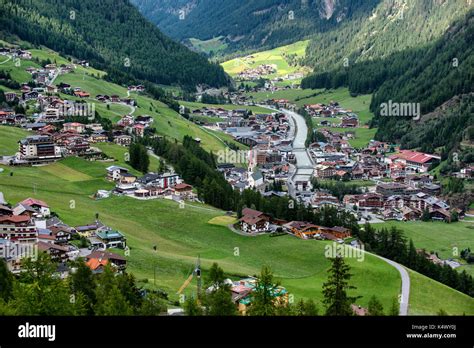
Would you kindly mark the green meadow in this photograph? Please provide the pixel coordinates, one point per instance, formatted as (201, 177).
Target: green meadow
(428, 297)
(447, 240)
(8, 135)
(277, 56)
(166, 121)
(214, 45)
(183, 234)
(254, 109)
(359, 105)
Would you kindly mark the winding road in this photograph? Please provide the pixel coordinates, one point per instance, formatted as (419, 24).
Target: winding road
(404, 296)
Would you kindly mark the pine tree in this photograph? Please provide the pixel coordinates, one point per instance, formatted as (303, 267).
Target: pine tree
(110, 301)
(6, 281)
(263, 300)
(192, 307)
(152, 305)
(336, 299)
(395, 308)
(219, 302)
(375, 307)
(82, 281)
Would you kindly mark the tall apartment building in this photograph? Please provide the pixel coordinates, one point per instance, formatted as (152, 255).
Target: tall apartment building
(38, 149)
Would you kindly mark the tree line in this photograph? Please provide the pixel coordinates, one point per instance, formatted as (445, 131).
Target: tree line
(392, 244)
(197, 167)
(113, 36)
(429, 76)
(38, 291)
(264, 301)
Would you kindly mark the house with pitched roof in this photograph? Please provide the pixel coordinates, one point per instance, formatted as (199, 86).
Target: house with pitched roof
(98, 259)
(254, 221)
(39, 206)
(106, 239)
(415, 161)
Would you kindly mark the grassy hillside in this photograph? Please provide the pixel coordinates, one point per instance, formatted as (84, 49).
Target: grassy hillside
(254, 109)
(111, 34)
(9, 137)
(278, 56)
(181, 234)
(166, 121)
(438, 236)
(445, 239)
(428, 297)
(359, 105)
(210, 47)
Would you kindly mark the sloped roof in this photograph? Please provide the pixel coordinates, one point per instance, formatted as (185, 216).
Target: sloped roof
(33, 201)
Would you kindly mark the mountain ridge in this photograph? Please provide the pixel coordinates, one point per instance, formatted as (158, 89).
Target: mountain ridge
(113, 35)
(249, 24)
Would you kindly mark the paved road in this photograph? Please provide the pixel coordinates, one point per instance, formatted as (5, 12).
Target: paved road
(8, 59)
(404, 296)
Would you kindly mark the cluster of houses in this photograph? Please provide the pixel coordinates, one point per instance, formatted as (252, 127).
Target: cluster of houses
(55, 139)
(268, 160)
(230, 118)
(29, 227)
(260, 71)
(254, 221)
(51, 142)
(403, 202)
(241, 292)
(15, 52)
(104, 98)
(148, 186)
(348, 119)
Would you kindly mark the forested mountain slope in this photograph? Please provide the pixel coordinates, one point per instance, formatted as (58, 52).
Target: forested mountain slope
(429, 75)
(392, 26)
(112, 35)
(252, 23)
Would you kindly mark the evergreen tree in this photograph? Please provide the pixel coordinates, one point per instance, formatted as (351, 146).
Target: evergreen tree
(82, 281)
(40, 292)
(336, 299)
(152, 305)
(6, 281)
(110, 301)
(306, 308)
(219, 302)
(192, 307)
(442, 312)
(394, 308)
(375, 307)
(263, 296)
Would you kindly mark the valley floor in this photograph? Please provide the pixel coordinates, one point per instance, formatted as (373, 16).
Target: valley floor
(183, 234)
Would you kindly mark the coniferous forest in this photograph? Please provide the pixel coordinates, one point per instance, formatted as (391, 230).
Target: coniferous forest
(429, 75)
(113, 36)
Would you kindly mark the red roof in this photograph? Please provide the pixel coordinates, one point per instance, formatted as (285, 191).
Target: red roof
(94, 264)
(15, 218)
(73, 124)
(81, 94)
(413, 156)
(32, 201)
(183, 187)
